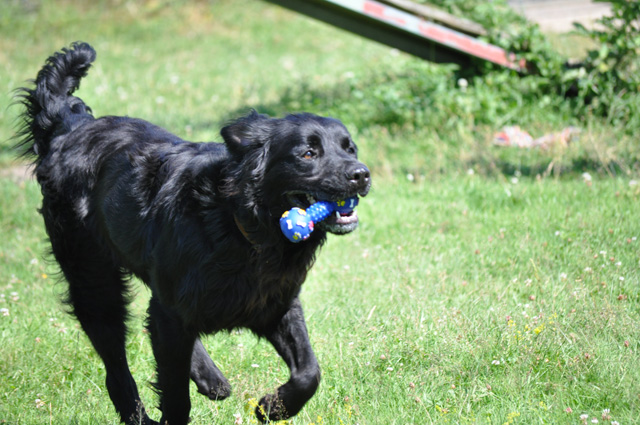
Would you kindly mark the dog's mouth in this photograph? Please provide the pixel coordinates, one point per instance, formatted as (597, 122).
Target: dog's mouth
(337, 223)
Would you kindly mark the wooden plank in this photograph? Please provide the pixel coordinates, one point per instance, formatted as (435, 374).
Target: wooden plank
(434, 14)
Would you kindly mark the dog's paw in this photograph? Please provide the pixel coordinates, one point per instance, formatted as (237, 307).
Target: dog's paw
(220, 391)
(214, 389)
(210, 381)
(271, 408)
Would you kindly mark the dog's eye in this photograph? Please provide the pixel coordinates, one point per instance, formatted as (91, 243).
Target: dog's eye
(309, 154)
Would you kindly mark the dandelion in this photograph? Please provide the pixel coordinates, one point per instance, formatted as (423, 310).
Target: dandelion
(4, 311)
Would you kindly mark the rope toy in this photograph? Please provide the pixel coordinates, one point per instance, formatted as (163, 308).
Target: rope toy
(297, 224)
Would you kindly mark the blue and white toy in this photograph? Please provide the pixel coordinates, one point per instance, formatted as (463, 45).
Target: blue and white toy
(297, 224)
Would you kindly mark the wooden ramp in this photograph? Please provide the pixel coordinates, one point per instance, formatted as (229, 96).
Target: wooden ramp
(407, 26)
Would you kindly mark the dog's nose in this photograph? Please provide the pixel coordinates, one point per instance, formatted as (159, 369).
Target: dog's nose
(359, 176)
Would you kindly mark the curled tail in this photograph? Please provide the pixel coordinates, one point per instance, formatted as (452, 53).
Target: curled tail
(50, 108)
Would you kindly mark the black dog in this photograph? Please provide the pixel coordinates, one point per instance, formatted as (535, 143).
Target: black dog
(197, 222)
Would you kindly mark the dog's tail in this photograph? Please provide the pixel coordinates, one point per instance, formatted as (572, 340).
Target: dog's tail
(50, 108)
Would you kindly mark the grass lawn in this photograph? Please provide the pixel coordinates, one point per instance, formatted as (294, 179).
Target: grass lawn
(484, 285)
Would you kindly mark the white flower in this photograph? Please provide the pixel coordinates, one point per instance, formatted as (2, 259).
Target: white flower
(255, 365)
(238, 418)
(4, 311)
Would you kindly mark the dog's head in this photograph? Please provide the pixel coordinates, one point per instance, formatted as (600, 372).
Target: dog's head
(296, 161)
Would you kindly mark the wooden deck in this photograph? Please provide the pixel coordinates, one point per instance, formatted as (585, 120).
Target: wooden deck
(558, 15)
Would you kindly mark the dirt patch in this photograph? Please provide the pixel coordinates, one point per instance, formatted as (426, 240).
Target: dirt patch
(17, 173)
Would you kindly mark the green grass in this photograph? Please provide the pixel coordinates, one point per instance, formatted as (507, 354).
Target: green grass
(484, 285)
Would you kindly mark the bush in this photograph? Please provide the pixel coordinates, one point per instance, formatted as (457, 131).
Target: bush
(606, 83)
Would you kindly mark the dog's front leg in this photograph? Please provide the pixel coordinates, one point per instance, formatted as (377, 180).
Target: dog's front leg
(290, 338)
(172, 347)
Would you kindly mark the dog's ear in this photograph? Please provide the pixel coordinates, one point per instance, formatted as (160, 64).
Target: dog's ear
(245, 132)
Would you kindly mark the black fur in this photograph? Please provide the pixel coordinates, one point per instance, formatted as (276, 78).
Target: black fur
(197, 222)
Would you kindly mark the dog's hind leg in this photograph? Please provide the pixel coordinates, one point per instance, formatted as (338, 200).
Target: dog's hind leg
(206, 375)
(172, 347)
(98, 298)
(99, 302)
(291, 340)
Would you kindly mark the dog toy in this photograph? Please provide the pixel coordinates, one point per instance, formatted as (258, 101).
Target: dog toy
(297, 224)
